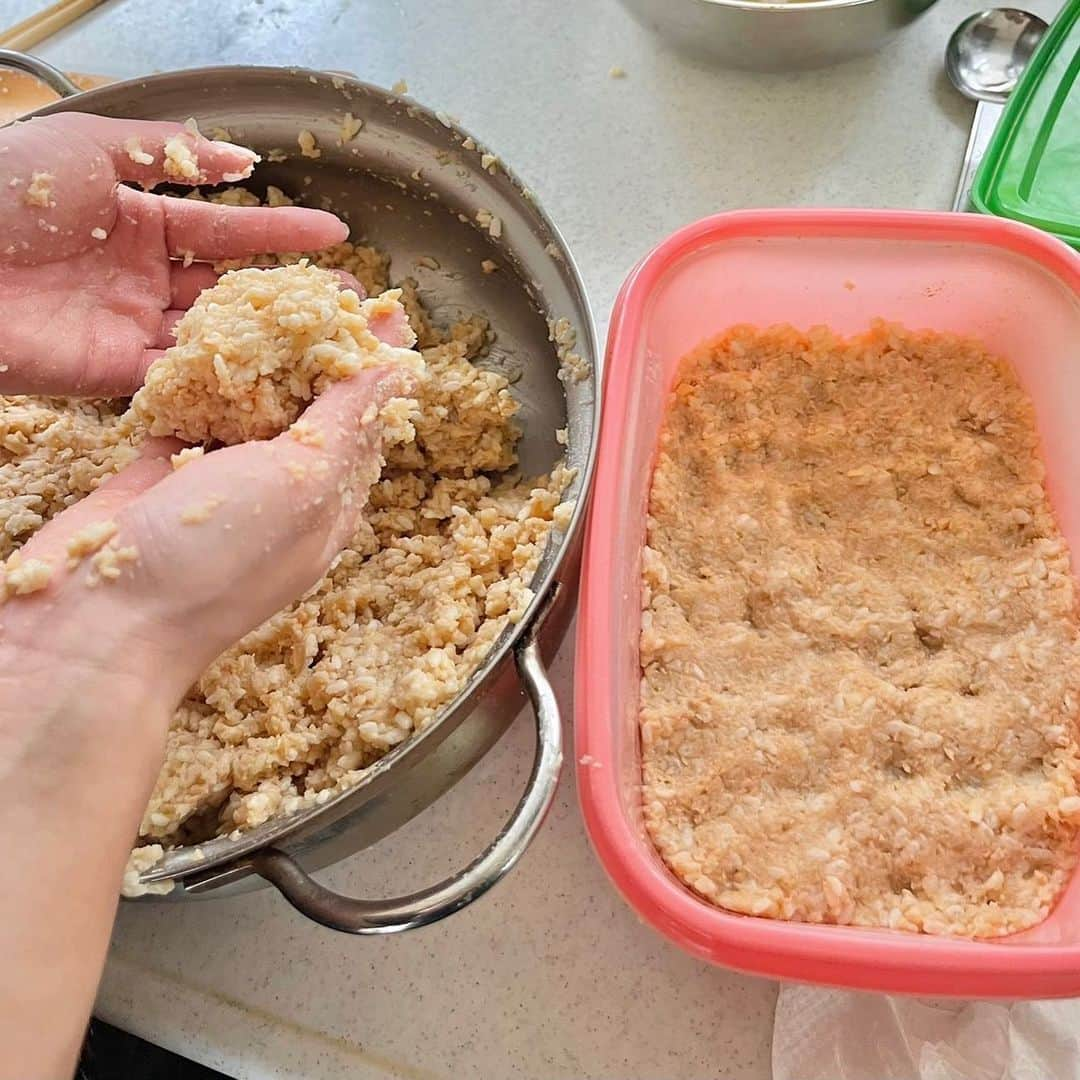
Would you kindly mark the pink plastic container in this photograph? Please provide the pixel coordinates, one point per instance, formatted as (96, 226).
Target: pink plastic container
(1018, 290)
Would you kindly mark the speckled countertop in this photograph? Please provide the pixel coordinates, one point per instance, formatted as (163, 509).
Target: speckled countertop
(550, 976)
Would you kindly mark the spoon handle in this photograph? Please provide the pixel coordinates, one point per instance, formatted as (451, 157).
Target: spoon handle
(986, 117)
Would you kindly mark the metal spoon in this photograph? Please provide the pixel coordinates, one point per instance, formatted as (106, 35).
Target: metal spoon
(984, 60)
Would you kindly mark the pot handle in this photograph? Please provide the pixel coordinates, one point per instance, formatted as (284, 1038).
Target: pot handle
(355, 916)
(46, 73)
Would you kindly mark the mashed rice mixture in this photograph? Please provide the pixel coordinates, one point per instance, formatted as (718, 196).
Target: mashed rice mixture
(441, 564)
(859, 637)
(253, 351)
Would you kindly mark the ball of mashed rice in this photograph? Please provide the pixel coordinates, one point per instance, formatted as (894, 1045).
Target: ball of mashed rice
(254, 350)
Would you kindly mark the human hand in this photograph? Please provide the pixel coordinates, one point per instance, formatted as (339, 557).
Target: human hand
(93, 664)
(198, 556)
(91, 271)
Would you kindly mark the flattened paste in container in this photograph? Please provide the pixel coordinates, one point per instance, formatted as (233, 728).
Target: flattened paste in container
(859, 637)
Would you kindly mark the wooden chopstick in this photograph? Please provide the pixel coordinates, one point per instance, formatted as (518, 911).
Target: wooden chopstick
(29, 32)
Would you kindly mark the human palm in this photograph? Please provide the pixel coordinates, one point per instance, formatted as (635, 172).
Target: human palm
(92, 271)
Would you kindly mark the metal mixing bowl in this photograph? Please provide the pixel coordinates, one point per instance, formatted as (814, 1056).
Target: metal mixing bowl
(408, 185)
(777, 37)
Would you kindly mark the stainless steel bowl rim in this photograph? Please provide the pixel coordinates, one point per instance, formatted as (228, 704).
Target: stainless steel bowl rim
(793, 5)
(771, 36)
(195, 860)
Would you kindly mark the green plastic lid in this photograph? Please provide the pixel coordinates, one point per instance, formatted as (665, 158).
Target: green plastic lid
(1031, 169)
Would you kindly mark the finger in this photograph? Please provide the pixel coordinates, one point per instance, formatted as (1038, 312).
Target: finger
(152, 152)
(339, 428)
(210, 231)
(333, 455)
(349, 282)
(167, 335)
(148, 357)
(391, 325)
(186, 282)
(341, 421)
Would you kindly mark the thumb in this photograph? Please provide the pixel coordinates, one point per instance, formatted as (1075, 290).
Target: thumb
(341, 420)
(340, 439)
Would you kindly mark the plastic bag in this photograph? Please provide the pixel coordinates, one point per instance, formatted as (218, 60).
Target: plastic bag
(837, 1035)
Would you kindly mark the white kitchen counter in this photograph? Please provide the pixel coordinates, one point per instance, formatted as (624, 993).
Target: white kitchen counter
(549, 976)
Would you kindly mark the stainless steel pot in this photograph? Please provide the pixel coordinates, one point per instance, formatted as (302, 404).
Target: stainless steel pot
(777, 36)
(408, 184)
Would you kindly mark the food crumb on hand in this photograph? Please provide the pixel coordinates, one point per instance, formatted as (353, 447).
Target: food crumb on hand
(107, 565)
(89, 539)
(304, 432)
(199, 513)
(21, 576)
(99, 233)
(39, 191)
(185, 457)
(308, 146)
(181, 161)
(135, 151)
